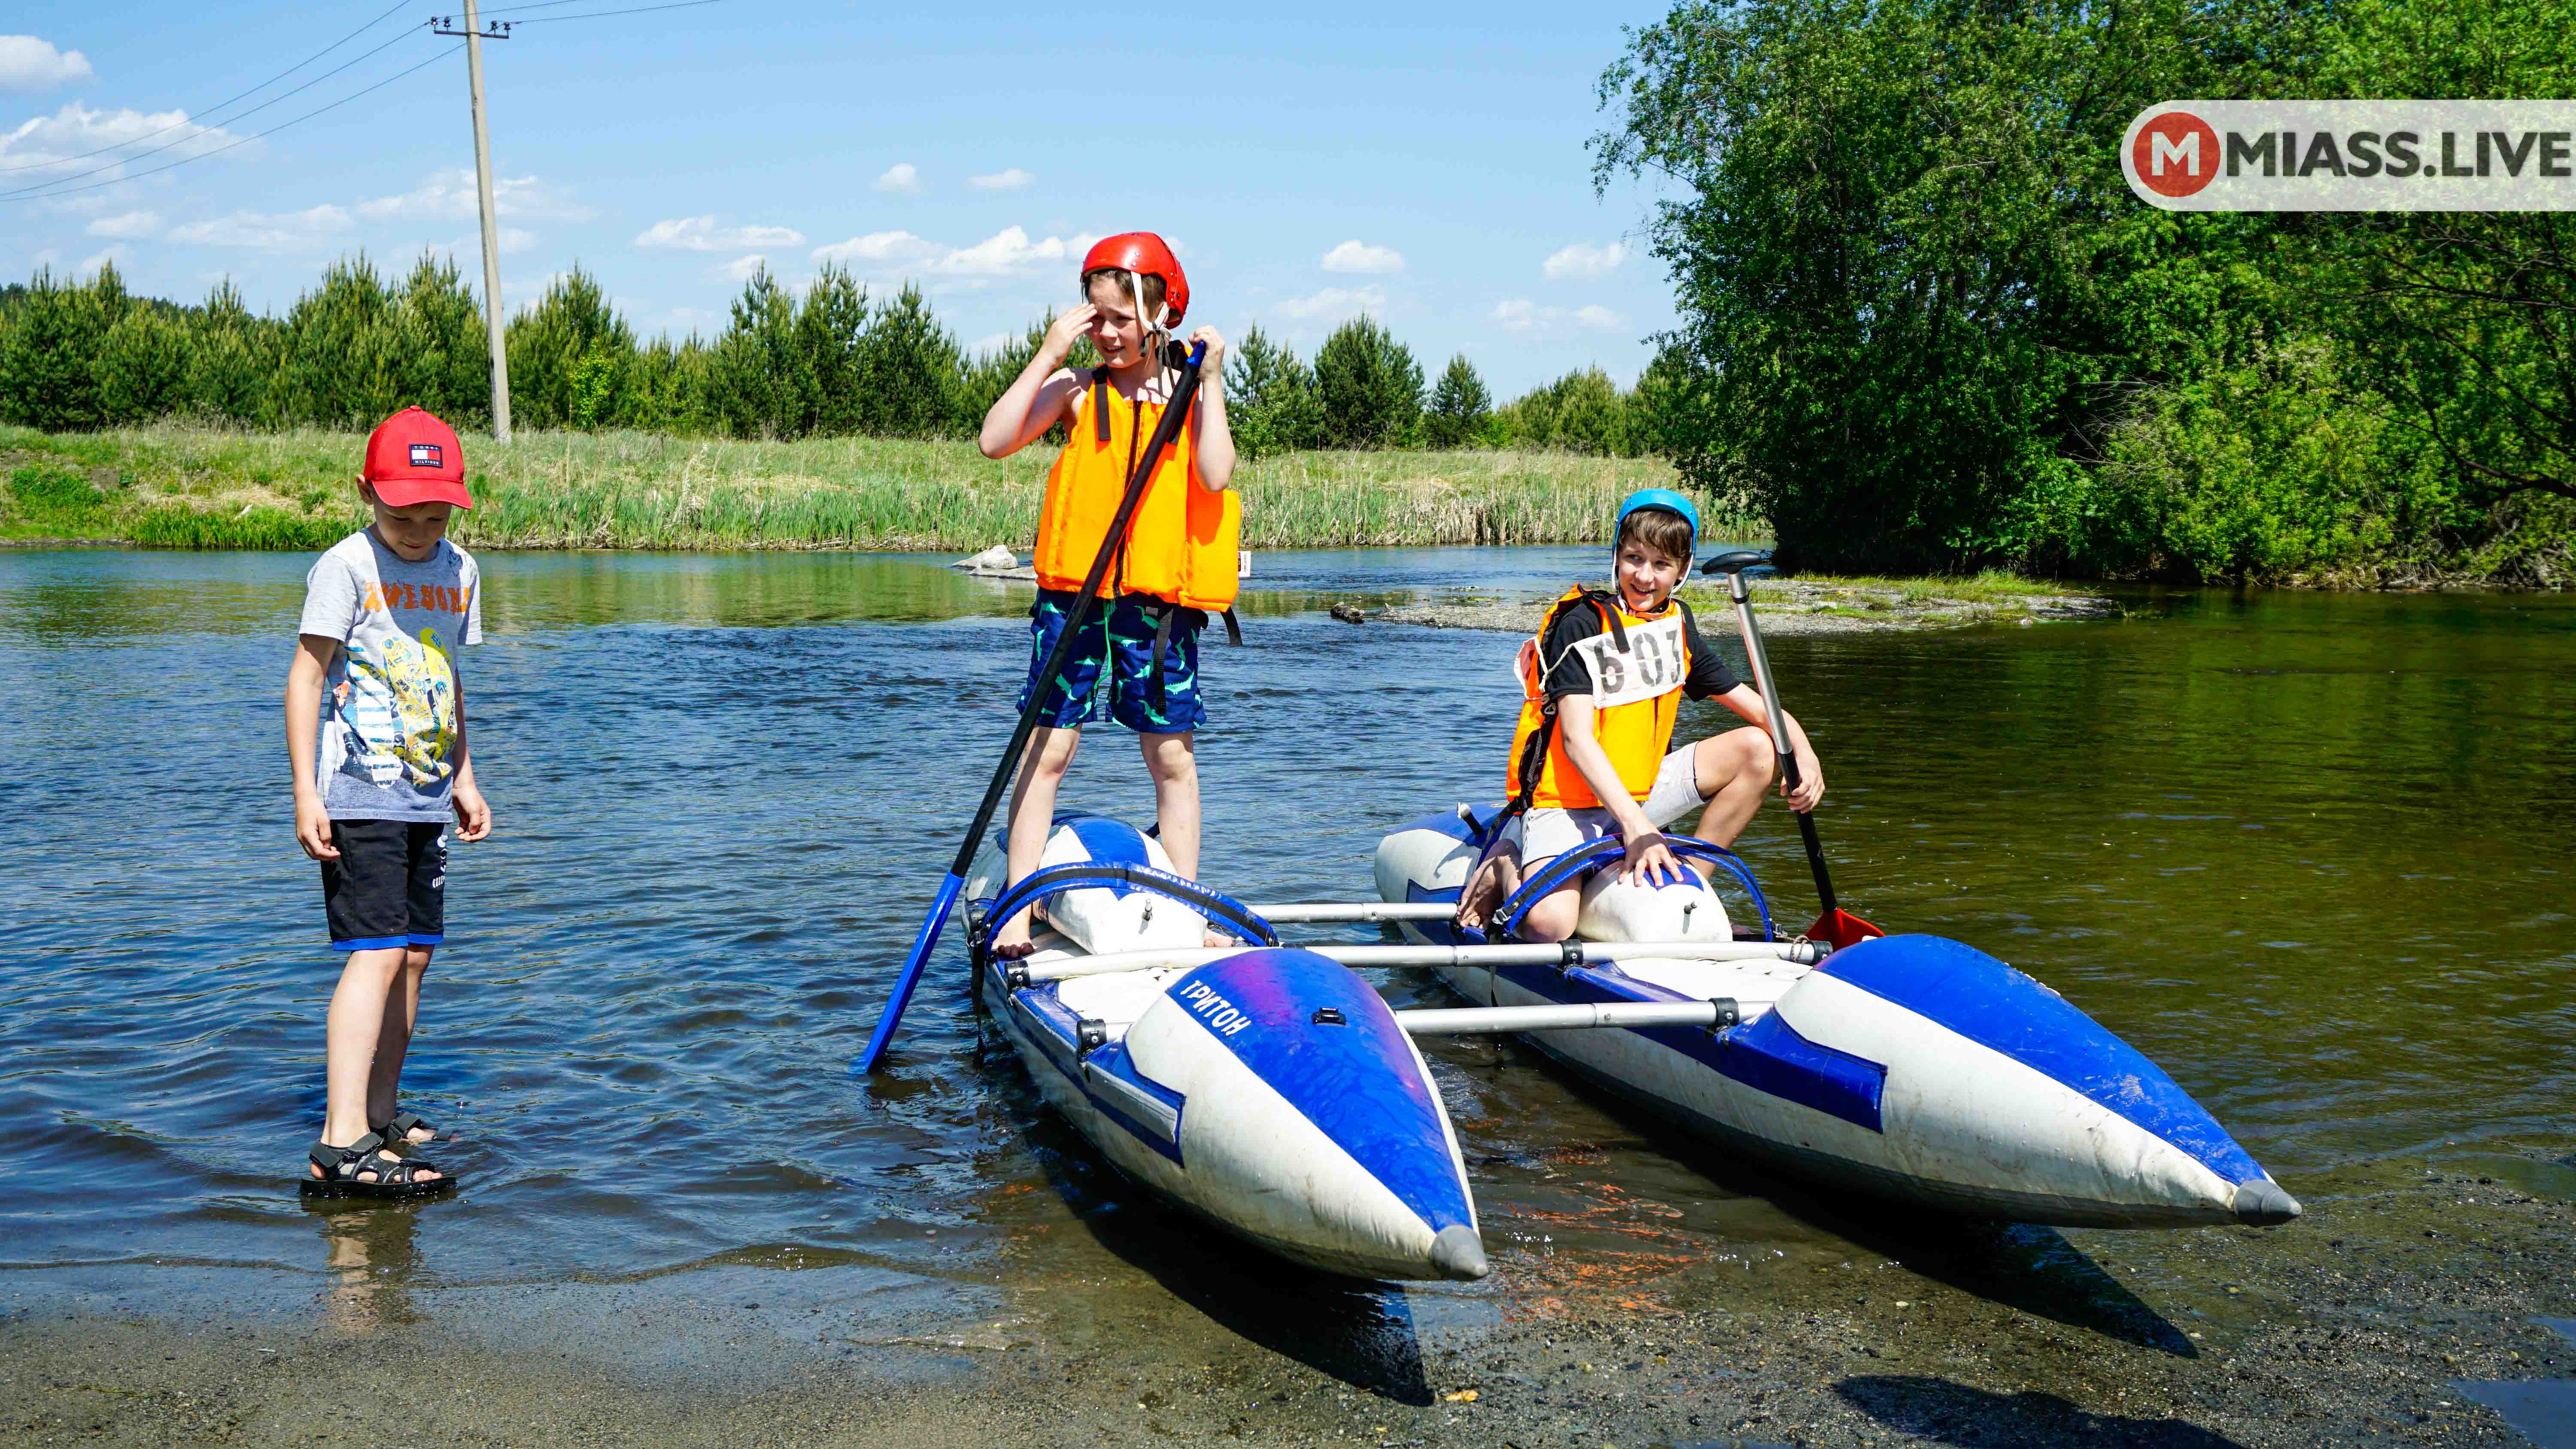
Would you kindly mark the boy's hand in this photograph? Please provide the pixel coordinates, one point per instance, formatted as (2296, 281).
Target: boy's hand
(1064, 332)
(1214, 366)
(1811, 783)
(313, 830)
(473, 817)
(1650, 861)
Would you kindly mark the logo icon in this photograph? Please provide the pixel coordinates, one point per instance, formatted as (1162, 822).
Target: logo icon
(2176, 154)
(427, 455)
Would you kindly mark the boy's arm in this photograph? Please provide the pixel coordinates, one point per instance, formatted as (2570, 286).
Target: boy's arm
(1647, 854)
(304, 679)
(473, 816)
(1216, 440)
(1811, 772)
(1036, 399)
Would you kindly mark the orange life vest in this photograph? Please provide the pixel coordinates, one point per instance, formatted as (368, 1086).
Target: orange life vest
(1638, 667)
(1182, 544)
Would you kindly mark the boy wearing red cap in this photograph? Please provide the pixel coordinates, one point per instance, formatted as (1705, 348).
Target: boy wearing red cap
(375, 728)
(1174, 566)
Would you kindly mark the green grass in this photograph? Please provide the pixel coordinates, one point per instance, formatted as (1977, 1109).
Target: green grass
(180, 486)
(1994, 586)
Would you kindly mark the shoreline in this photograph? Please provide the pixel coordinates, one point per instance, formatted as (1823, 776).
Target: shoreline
(1787, 606)
(2378, 1317)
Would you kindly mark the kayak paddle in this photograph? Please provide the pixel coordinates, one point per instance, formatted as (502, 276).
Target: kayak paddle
(1177, 412)
(1837, 925)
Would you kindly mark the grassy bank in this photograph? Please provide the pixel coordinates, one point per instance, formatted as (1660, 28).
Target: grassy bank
(177, 486)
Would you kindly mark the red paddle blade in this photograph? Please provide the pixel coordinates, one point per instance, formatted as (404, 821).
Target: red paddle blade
(1842, 929)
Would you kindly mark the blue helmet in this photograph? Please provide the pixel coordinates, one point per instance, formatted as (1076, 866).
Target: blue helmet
(1663, 498)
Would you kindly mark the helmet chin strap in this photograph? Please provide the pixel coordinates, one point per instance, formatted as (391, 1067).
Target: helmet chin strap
(1156, 331)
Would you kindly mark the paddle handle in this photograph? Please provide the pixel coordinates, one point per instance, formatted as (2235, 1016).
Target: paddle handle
(1174, 415)
(1762, 682)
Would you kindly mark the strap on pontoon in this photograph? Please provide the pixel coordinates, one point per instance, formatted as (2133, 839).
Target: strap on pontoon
(1595, 854)
(1224, 910)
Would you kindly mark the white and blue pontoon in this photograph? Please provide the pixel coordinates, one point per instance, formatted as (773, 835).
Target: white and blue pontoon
(1906, 1067)
(1265, 1088)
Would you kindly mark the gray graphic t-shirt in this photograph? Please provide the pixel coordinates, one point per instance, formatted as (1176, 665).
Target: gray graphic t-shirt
(388, 747)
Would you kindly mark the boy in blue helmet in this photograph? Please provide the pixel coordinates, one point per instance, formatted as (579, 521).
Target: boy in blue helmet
(1601, 683)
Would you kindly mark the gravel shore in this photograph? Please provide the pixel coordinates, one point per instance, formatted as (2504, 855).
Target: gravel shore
(1793, 606)
(2369, 1321)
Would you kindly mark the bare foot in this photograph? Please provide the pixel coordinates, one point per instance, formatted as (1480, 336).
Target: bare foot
(1012, 943)
(1213, 939)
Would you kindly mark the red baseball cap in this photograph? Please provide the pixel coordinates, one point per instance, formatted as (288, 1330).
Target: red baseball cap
(412, 457)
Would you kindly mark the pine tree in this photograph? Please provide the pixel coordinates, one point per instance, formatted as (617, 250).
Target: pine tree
(1459, 406)
(1271, 403)
(1370, 385)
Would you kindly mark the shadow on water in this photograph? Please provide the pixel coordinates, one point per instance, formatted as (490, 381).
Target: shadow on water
(2019, 1265)
(1360, 1333)
(1953, 1413)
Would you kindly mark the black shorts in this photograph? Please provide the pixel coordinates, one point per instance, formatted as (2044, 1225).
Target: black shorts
(389, 886)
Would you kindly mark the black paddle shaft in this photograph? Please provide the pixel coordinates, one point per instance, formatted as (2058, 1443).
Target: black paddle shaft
(1733, 566)
(1184, 394)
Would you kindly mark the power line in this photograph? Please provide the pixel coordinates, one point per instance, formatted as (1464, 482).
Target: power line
(638, 10)
(184, 140)
(245, 95)
(246, 140)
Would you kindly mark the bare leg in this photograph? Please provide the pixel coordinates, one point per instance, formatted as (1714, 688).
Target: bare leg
(393, 1039)
(1735, 769)
(1552, 918)
(1042, 768)
(1173, 761)
(352, 1030)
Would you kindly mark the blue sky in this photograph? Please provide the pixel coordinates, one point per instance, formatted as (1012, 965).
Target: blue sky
(1425, 164)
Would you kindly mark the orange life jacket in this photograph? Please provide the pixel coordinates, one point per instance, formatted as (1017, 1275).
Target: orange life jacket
(1638, 668)
(1182, 544)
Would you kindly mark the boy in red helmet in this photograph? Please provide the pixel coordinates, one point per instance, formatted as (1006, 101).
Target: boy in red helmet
(375, 728)
(1175, 565)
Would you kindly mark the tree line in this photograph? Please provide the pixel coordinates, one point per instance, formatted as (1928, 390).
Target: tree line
(1926, 326)
(834, 361)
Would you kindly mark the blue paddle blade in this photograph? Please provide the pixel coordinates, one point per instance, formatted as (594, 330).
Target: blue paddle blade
(931, 926)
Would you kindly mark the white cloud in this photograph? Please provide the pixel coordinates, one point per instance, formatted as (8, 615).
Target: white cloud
(1519, 314)
(449, 196)
(902, 176)
(65, 139)
(701, 234)
(1359, 256)
(312, 229)
(1010, 180)
(116, 254)
(1333, 304)
(993, 343)
(128, 225)
(30, 64)
(1007, 253)
(740, 269)
(1580, 260)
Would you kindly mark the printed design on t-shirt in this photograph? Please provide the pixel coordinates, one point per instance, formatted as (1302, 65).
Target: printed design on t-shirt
(1655, 663)
(399, 704)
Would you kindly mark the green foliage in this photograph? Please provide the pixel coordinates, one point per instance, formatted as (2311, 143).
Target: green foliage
(571, 357)
(1271, 402)
(51, 499)
(143, 366)
(1581, 412)
(49, 352)
(1460, 407)
(909, 369)
(1924, 325)
(1369, 385)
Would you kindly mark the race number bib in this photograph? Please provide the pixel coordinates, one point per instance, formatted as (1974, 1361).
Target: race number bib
(1654, 663)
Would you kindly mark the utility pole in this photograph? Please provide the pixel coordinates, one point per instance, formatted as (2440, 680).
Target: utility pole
(475, 35)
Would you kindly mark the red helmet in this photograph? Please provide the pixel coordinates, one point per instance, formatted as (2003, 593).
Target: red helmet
(1143, 252)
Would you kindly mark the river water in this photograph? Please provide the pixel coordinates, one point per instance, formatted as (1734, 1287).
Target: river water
(2310, 852)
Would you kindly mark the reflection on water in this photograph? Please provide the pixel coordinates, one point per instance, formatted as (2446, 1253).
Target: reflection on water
(2307, 851)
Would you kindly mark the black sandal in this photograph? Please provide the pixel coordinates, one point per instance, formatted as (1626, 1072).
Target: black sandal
(396, 1177)
(403, 1124)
